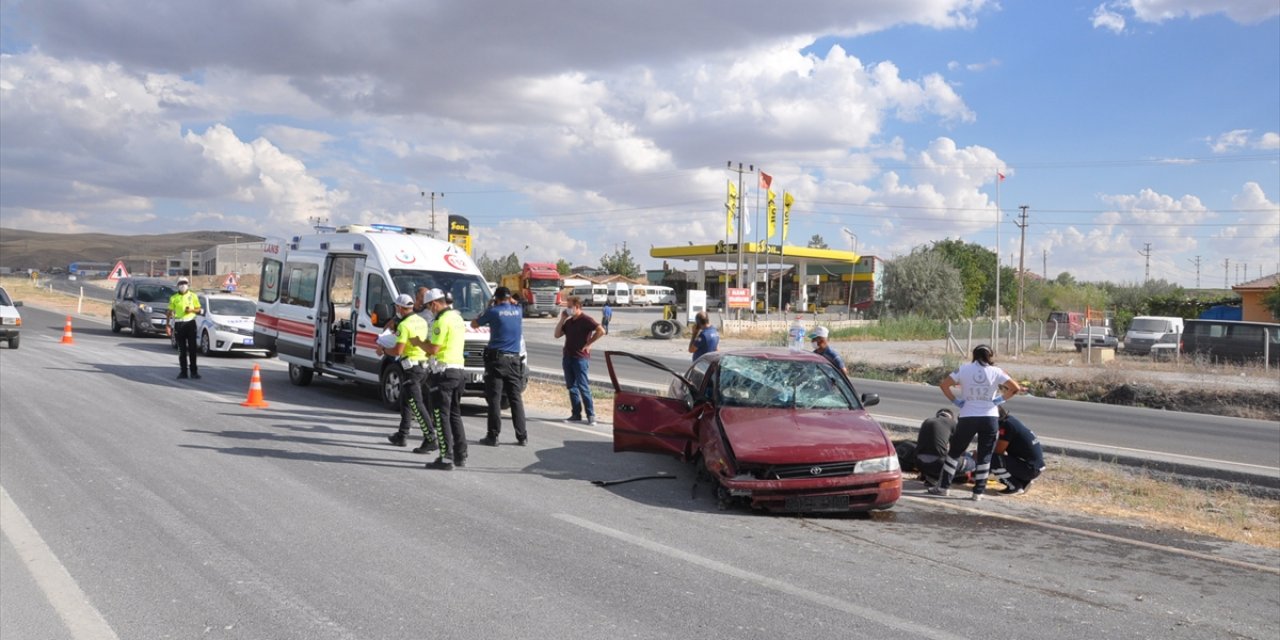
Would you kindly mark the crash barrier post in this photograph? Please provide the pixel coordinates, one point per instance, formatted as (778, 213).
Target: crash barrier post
(67, 338)
(255, 390)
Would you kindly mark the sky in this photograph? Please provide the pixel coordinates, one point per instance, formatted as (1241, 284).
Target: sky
(1143, 136)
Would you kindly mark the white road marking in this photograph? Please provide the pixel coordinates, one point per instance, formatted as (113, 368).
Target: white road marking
(82, 619)
(814, 597)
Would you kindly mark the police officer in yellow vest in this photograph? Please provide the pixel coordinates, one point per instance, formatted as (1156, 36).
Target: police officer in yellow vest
(413, 362)
(184, 306)
(448, 334)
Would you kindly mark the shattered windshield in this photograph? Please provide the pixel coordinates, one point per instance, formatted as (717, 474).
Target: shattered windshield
(783, 384)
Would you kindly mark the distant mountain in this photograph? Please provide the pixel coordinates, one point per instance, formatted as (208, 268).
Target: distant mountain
(22, 249)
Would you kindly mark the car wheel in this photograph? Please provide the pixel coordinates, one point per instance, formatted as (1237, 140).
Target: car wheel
(392, 378)
(115, 324)
(204, 343)
(664, 329)
(13, 342)
(135, 327)
(300, 376)
(1079, 348)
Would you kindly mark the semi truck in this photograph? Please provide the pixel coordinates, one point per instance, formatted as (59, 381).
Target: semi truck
(538, 285)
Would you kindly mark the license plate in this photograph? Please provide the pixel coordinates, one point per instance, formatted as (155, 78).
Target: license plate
(162, 322)
(817, 503)
(477, 377)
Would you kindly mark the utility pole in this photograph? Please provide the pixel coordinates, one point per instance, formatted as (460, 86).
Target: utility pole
(1044, 270)
(317, 222)
(741, 201)
(433, 209)
(235, 252)
(1022, 252)
(1197, 263)
(1226, 271)
(1146, 253)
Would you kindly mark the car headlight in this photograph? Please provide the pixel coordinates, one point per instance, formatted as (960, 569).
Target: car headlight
(224, 327)
(145, 308)
(877, 465)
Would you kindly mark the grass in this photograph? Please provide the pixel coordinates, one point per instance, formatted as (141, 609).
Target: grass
(895, 329)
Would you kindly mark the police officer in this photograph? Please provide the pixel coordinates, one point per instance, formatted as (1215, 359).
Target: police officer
(445, 347)
(413, 360)
(1019, 458)
(184, 306)
(503, 371)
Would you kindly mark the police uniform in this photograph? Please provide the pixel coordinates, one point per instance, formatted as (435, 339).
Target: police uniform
(503, 370)
(184, 306)
(448, 334)
(413, 360)
(1022, 460)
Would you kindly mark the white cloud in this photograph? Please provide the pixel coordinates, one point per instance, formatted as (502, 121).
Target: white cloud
(1241, 11)
(1105, 18)
(1269, 141)
(1242, 139)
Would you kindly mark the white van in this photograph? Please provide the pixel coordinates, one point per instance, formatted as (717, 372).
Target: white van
(324, 298)
(658, 294)
(619, 294)
(640, 295)
(599, 296)
(1145, 331)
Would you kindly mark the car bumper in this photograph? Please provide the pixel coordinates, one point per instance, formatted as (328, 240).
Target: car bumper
(810, 495)
(9, 331)
(225, 341)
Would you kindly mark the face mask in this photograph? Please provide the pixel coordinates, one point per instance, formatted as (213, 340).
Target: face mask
(182, 288)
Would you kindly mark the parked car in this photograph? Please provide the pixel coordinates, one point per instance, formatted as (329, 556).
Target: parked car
(226, 324)
(10, 319)
(1147, 331)
(774, 429)
(141, 305)
(1096, 337)
(1232, 340)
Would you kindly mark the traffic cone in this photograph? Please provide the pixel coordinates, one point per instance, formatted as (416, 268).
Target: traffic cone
(66, 333)
(255, 391)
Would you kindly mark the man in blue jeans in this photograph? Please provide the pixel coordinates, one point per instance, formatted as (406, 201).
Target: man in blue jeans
(579, 331)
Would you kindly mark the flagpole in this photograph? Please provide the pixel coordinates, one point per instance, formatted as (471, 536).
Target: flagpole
(997, 305)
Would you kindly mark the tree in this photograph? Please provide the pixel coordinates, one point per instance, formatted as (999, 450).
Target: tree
(816, 242)
(563, 267)
(977, 265)
(620, 263)
(1271, 301)
(494, 268)
(924, 284)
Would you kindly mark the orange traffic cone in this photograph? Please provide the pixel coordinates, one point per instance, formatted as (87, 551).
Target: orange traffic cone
(66, 333)
(255, 391)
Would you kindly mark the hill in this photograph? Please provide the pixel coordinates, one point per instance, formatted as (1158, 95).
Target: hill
(22, 249)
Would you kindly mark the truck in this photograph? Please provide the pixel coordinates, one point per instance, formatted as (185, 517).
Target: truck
(325, 298)
(538, 285)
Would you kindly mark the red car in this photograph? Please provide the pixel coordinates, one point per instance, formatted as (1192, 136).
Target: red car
(777, 430)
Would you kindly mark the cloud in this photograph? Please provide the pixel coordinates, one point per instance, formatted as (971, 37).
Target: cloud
(1241, 139)
(1105, 18)
(1241, 11)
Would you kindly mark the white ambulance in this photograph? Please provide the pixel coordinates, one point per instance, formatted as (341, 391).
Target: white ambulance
(324, 299)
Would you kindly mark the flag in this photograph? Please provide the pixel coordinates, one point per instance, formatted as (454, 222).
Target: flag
(772, 214)
(787, 201)
(1000, 175)
(730, 206)
(766, 181)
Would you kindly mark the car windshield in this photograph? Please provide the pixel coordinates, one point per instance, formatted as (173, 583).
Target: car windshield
(155, 292)
(231, 307)
(1149, 325)
(792, 384)
(4, 298)
(470, 292)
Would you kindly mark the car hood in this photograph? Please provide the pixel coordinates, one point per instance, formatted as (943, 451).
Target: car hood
(233, 321)
(802, 436)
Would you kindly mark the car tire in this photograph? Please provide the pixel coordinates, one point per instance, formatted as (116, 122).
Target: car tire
(13, 342)
(300, 376)
(204, 344)
(115, 324)
(664, 329)
(389, 389)
(135, 327)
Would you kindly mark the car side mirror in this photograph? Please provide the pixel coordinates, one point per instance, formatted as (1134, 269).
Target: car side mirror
(870, 399)
(17, 303)
(381, 314)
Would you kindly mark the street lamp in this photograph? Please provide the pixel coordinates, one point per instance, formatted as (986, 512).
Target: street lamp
(851, 266)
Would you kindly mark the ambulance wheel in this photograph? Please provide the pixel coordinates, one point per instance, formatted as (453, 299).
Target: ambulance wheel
(300, 376)
(392, 378)
(664, 329)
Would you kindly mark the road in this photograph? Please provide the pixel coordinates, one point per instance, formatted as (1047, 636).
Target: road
(1250, 446)
(138, 506)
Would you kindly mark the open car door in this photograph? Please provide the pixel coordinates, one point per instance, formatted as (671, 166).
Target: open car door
(653, 422)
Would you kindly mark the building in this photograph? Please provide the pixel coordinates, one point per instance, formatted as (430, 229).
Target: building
(1251, 307)
(241, 258)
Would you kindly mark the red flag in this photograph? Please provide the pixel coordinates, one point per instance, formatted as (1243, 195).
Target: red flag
(766, 181)
(1001, 175)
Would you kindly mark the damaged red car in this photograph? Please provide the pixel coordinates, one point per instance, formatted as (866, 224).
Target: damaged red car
(775, 429)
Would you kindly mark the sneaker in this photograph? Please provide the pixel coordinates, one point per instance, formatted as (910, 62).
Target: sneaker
(1012, 490)
(573, 419)
(938, 491)
(460, 462)
(976, 497)
(397, 439)
(182, 376)
(195, 376)
(426, 447)
(524, 442)
(591, 422)
(441, 464)
(488, 441)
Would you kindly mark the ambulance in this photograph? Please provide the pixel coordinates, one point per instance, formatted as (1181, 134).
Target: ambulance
(324, 299)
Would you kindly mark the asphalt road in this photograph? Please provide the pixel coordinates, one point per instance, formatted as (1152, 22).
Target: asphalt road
(138, 506)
